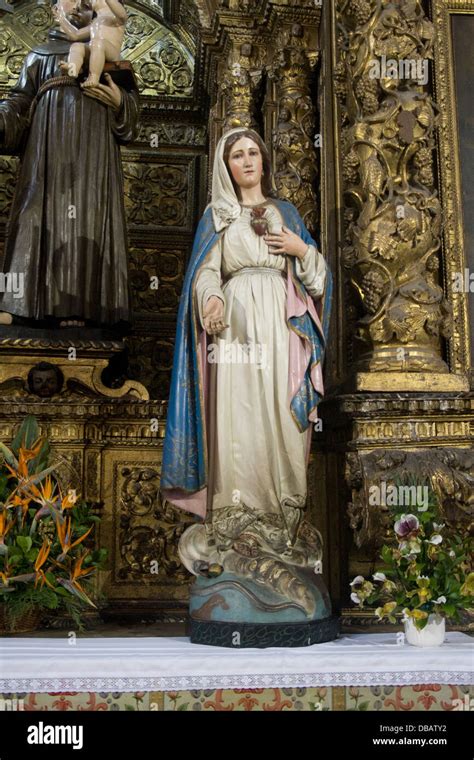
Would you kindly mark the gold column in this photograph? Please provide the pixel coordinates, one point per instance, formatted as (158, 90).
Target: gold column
(393, 217)
(294, 135)
(238, 71)
(238, 87)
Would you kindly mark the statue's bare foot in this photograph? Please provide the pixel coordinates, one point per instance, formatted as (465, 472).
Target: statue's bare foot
(72, 323)
(5, 318)
(91, 81)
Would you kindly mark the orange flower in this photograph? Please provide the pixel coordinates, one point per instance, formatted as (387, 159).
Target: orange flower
(73, 584)
(39, 562)
(68, 501)
(24, 456)
(78, 571)
(43, 554)
(63, 528)
(4, 578)
(45, 492)
(15, 500)
(5, 525)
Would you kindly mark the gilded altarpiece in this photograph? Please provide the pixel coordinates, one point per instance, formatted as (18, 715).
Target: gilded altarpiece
(373, 166)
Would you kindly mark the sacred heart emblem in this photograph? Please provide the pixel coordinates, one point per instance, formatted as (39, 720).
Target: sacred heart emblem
(258, 221)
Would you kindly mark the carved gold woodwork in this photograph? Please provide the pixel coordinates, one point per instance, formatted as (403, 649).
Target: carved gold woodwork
(393, 214)
(151, 358)
(295, 169)
(140, 531)
(455, 255)
(238, 87)
(165, 265)
(157, 193)
(449, 471)
(75, 368)
(266, 63)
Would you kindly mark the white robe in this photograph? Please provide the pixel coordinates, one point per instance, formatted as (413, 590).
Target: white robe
(259, 455)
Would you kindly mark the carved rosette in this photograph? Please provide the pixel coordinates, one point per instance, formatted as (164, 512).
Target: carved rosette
(393, 215)
(293, 138)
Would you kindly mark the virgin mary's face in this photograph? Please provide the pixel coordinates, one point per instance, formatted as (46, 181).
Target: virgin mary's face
(245, 163)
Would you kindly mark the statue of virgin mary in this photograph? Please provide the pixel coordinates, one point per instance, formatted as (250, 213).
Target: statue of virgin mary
(247, 378)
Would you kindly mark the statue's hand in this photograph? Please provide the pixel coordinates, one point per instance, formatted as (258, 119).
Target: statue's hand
(286, 241)
(108, 94)
(213, 316)
(61, 20)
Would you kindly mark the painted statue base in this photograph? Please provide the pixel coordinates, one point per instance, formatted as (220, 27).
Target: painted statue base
(258, 579)
(232, 611)
(263, 635)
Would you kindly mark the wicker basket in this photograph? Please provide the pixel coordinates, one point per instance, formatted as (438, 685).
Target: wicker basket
(28, 622)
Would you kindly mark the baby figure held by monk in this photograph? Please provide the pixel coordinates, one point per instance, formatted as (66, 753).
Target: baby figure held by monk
(96, 43)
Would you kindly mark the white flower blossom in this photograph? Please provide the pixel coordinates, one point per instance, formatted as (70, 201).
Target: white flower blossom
(435, 539)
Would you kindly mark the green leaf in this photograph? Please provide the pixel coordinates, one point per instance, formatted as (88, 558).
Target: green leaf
(27, 434)
(25, 543)
(8, 456)
(62, 591)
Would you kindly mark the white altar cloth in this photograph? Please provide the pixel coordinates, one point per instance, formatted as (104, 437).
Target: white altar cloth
(174, 664)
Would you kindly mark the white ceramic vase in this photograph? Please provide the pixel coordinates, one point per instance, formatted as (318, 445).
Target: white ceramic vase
(432, 635)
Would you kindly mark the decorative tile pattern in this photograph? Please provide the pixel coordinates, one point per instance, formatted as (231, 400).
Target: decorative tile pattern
(421, 698)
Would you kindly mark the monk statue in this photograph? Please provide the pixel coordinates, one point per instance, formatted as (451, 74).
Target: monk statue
(66, 245)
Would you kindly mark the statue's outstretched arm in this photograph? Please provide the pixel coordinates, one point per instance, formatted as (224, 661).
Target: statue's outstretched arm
(74, 34)
(118, 9)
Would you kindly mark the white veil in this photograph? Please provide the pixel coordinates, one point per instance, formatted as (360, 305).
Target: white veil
(224, 203)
